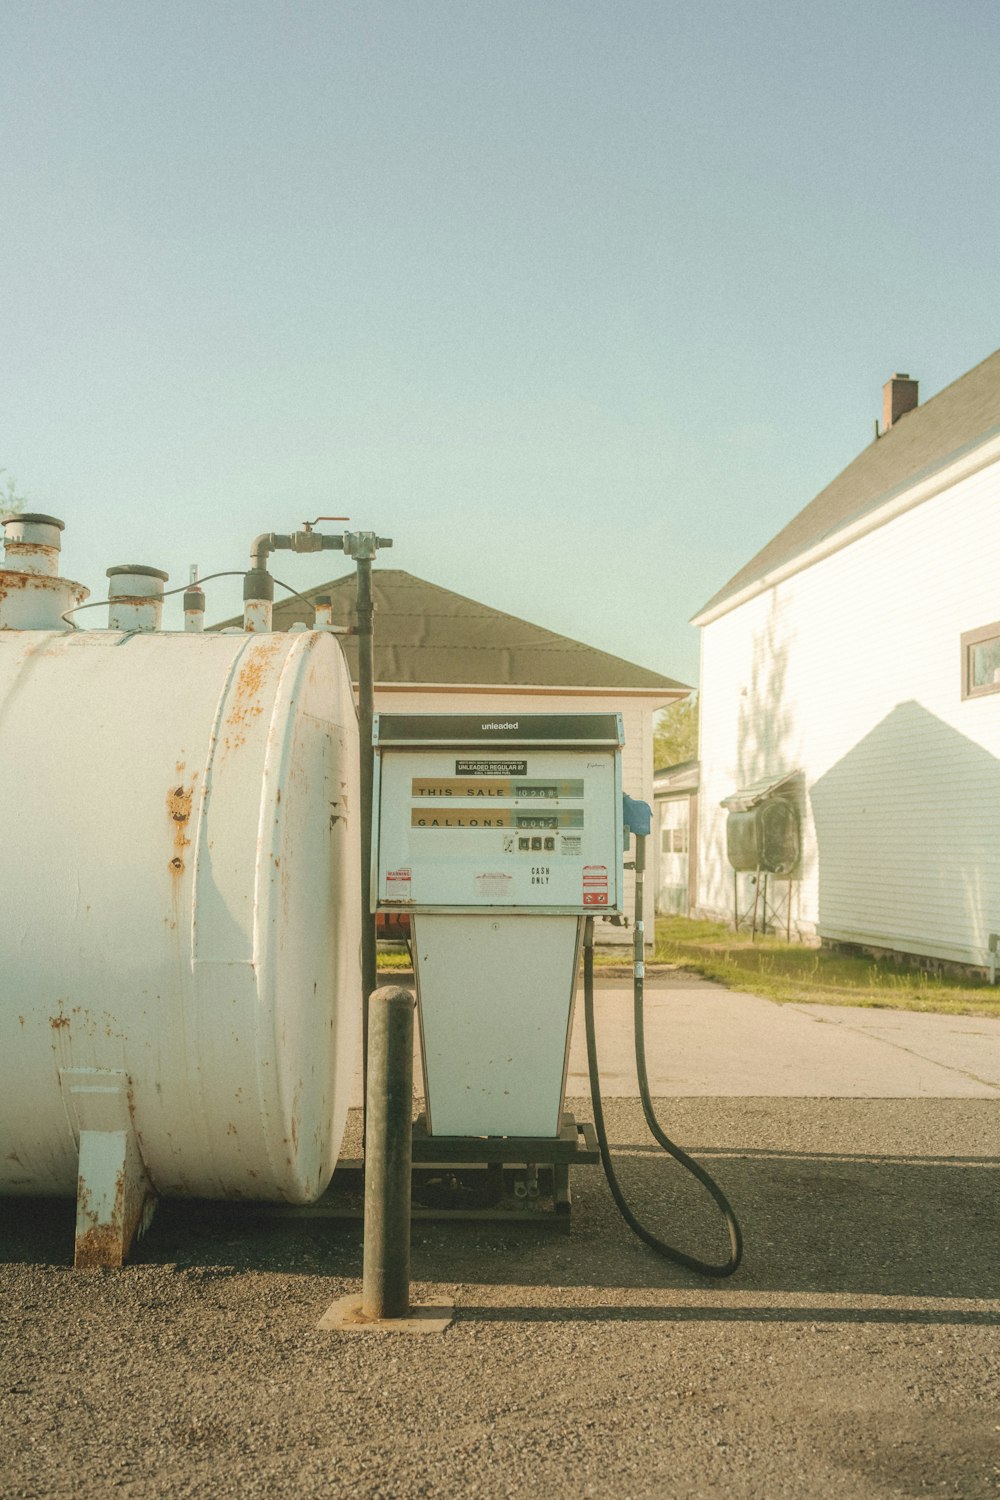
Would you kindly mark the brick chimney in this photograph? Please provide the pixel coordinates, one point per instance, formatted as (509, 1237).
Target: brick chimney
(899, 395)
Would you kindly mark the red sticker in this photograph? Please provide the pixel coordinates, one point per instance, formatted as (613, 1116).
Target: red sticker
(595, 885)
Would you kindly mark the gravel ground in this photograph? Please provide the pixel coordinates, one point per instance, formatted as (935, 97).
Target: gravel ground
(856, 1354)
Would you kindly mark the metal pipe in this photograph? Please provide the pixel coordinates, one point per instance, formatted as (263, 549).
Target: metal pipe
(639, 933)
(267, 542)
(388, 1154)
(194, 607)
(32, 595)
(258, 600)
(366, 714)
(32, 544)
(135, 597)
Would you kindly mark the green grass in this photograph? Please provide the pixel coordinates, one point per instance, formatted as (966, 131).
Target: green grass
(394, 958)
(790, 972)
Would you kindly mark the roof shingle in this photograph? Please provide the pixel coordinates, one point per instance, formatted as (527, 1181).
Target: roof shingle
(427, 634)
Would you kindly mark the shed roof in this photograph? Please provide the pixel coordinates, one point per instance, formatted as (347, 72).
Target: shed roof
(957, 419)
(427, 634)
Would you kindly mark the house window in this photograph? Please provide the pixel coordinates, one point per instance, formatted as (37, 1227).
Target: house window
(981, 661)
(674, 840)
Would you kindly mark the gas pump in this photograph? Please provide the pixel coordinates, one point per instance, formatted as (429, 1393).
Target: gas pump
(502, 836)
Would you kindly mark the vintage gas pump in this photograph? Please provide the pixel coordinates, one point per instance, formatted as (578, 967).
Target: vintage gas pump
(502, 837)
(498, 834)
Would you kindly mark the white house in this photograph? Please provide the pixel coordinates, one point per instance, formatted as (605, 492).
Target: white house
(861, 649)
(439, 652)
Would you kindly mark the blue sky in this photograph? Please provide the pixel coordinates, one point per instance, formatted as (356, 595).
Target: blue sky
(580, 302)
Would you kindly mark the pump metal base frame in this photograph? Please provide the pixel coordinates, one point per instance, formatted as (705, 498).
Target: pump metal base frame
(575, 1145)
(468, 1179)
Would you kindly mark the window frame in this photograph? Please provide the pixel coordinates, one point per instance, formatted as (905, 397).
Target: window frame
(970, 639)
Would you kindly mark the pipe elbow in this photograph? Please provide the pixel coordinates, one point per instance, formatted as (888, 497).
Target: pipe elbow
(259, 549)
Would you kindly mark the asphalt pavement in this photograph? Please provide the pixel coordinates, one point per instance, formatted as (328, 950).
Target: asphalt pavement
(856, 1353)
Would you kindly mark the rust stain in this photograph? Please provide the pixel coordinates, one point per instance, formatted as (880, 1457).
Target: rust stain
(249, 686)
(100, 1246)
(57, 1022)
(107, 1245)
(179, 800)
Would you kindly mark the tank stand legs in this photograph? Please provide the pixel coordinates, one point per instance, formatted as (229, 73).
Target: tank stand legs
(114, 1197)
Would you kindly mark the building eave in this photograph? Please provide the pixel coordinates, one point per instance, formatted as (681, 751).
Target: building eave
(962, 464)
(661, 695)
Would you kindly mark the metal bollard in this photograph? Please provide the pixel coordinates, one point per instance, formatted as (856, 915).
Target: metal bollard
(388, 1154)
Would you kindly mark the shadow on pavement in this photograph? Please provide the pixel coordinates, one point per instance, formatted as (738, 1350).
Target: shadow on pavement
(813, 1222)
(653, 1313)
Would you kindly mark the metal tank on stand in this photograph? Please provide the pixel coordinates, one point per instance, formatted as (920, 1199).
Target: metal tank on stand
(180, 991)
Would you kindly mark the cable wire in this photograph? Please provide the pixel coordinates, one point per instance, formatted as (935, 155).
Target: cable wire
(669, 1252)
(309, 603)
(167, 593)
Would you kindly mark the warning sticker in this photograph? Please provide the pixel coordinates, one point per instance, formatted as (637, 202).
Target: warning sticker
(398, 884)
(595, 885)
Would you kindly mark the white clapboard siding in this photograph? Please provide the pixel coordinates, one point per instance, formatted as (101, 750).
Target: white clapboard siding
(850, 671)
(637, 756)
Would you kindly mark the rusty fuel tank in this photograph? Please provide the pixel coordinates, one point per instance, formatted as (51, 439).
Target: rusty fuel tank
(179, 951)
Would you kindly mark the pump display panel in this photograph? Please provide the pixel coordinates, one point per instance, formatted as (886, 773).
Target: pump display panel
(521, 813)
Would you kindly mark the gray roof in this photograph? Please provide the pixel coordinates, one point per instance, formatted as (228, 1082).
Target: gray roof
(427, 634)
(964, 414)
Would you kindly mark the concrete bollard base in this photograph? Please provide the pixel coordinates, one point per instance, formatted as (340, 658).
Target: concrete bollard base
(345, 1316)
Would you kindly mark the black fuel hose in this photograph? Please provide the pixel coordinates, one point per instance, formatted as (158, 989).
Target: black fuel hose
(669, 1252)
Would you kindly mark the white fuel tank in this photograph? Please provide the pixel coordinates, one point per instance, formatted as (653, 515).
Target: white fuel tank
(179, 907)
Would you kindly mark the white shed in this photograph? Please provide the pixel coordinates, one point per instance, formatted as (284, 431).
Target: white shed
(861, 649)
(439, 652)
(674, 861)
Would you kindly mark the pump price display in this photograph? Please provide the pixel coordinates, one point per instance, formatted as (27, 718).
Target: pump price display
(514, 829)
(498, 787)
(499, 817)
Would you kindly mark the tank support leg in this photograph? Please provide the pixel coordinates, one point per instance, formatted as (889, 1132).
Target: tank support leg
(114, 1198)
